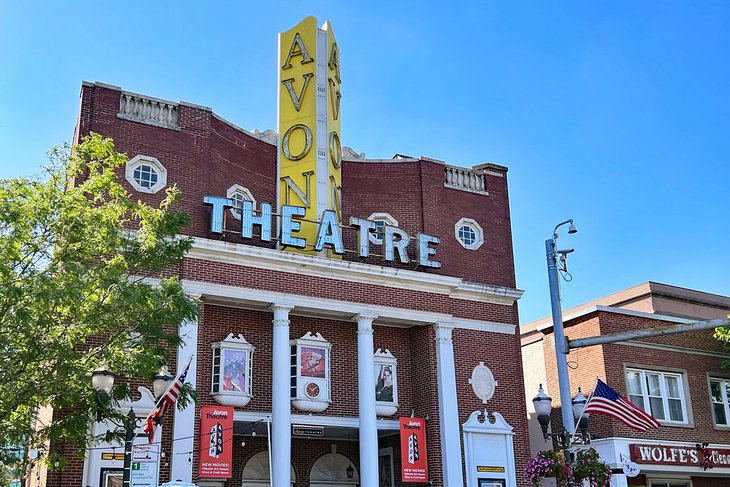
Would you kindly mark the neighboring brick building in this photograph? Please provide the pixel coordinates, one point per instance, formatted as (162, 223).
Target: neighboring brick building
(437, 324)
(680, 379)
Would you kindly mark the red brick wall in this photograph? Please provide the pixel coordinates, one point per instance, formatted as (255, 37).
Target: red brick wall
(207, 156)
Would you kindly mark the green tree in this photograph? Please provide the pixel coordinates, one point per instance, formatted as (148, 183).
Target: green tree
(80, 287)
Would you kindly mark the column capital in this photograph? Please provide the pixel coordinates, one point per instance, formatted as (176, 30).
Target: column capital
(443, 331)
(365, 323)
(281, 313)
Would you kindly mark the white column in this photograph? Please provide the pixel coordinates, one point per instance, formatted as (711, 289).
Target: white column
(448, 407)
(184, 425)
(280, 453)
(366, 399)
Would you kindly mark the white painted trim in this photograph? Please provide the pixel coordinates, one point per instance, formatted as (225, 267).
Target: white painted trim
(335, 309)
(476, 227)
(184, 425)
(546, 323)
(312, 265)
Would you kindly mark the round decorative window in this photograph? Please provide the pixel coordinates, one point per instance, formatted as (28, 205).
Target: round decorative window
(146, 174)
(469, 233)
(380, 219)
(239, 194)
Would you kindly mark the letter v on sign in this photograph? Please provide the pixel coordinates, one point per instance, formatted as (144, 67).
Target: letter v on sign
(297, 99)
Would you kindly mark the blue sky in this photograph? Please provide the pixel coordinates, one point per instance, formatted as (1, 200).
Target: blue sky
(615, 114)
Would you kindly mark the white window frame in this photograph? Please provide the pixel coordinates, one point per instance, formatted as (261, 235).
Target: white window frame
(139, 160)
(725, 402)
(387, 219)
(238, 189)
(658, 481)
(469, 222)
(683, 392)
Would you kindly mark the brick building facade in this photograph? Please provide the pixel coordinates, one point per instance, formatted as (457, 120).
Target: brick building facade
(680, 379)
(439, 324)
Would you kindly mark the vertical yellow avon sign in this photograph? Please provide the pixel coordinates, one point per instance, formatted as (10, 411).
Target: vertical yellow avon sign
(310, 153)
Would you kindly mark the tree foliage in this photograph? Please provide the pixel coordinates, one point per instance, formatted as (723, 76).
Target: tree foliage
(80, 287)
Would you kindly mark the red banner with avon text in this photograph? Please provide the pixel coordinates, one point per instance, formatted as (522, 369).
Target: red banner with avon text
(413, 458)
(216, 442)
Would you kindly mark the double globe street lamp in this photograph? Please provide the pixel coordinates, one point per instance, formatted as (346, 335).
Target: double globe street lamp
(102, 380)
(543, 406)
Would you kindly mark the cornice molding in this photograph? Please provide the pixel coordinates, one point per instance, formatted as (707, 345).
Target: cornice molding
(234, 296)
(311, 265)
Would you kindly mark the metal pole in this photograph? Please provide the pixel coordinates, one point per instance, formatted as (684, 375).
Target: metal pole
(566, 404)
(561, 352)
(647, 332)
(129, 434)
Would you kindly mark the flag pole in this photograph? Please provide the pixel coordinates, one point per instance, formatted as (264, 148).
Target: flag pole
(593, 391)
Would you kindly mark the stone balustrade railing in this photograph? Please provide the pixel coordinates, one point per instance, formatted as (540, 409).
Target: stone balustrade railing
(148, 110)
(464, 179)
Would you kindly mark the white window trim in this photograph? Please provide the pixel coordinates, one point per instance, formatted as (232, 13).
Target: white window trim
(668, 479)
(138, 160)
(726, 401)
(237, 188)
(683, 391)
(470, 222)
(388, 219)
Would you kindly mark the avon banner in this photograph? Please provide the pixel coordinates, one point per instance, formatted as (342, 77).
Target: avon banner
(413, 459)
(216, 442)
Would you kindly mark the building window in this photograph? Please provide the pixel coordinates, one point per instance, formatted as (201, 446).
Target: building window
(239, 194)
(469, 233)
(720, 391)
(381, 219)
(669, 483)
(146, 174)
(660, 394)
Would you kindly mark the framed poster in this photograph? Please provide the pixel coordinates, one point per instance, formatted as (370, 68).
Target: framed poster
(234, 363)
(491, 483)
(384, 384)
(313, 362)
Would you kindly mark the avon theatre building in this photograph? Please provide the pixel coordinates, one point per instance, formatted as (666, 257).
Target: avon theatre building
(382, 351)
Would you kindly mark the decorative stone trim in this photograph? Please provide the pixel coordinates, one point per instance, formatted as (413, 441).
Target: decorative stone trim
(475, 227)
(155, 164)
(151, 111)
(464, 179)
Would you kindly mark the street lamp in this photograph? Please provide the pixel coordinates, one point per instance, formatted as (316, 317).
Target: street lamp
(102, 380)
(543, 406)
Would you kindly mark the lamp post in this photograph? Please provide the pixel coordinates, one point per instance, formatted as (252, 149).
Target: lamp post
(561, 348)
(102, 380)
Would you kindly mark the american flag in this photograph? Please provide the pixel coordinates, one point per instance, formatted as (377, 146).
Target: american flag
(605, 400)
(166, 402)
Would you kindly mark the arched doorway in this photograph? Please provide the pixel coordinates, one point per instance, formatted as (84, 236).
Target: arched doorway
(256, 471)
(330, 470)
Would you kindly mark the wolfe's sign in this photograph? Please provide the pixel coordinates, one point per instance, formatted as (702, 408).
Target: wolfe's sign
(309, 153)
(679, 455)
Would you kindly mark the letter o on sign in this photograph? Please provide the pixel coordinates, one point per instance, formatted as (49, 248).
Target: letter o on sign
(307, 142)
(335, 150)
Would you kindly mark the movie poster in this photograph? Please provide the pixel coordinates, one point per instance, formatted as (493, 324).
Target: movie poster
(313, 362)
